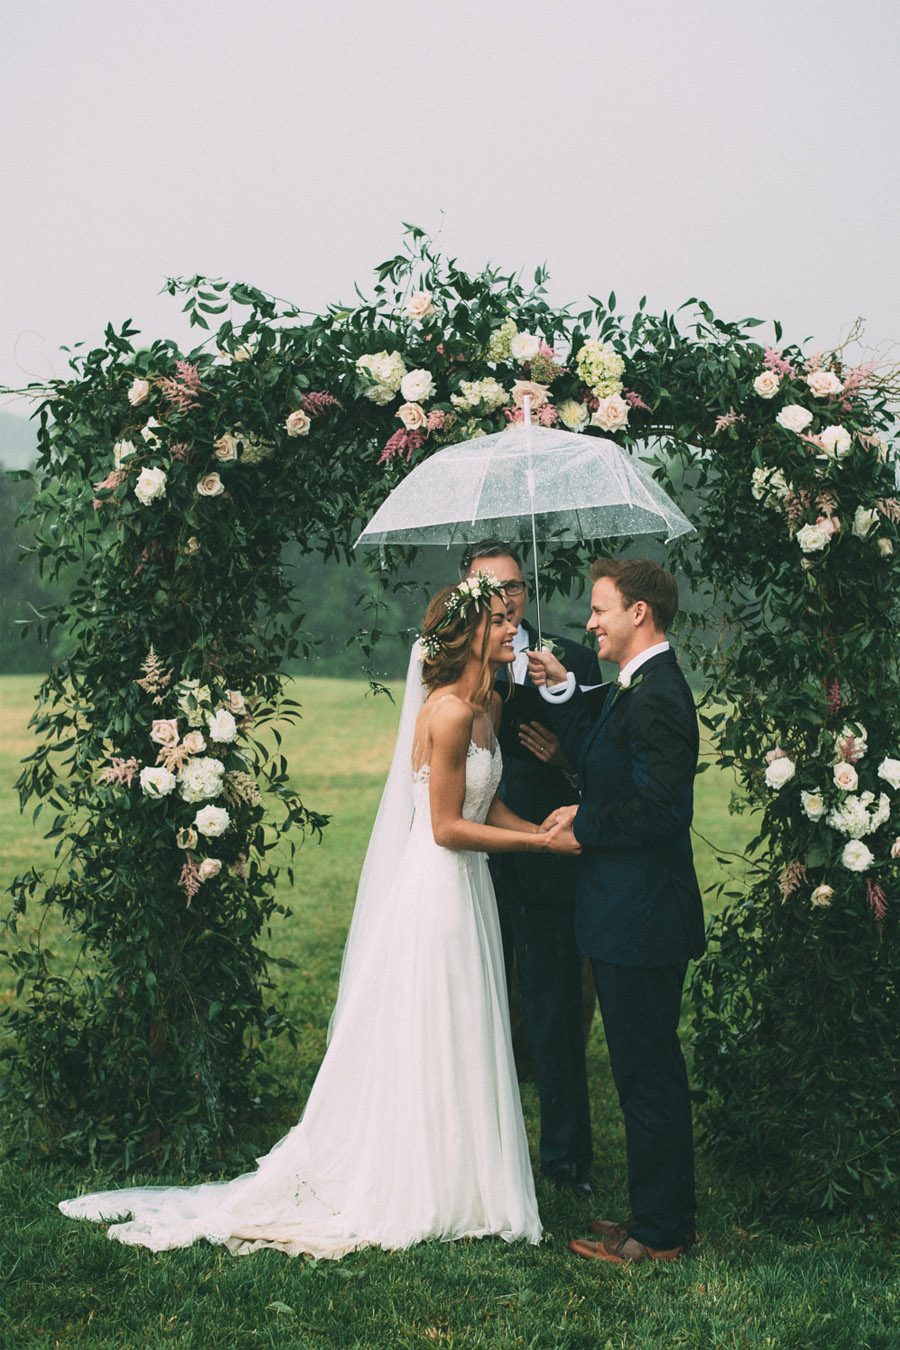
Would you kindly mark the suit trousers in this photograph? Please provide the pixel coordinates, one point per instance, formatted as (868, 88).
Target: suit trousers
(542, 934)
(640, 1007)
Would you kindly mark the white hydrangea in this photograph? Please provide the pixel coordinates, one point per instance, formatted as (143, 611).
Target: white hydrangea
(600, 367)
(487, 394)
(384, 372)
(194, 701)
(498, 348)
(201, 778)
(857, 816)
(121, 451)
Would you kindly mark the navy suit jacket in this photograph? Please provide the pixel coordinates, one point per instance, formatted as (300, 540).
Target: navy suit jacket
(638, 902)
(533, 789)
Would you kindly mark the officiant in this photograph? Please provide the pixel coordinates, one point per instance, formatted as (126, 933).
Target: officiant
(536, 894)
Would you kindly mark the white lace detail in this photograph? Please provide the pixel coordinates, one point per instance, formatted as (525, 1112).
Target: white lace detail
(483, 769)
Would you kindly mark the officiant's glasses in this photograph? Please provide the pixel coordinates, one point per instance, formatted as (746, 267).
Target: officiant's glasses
(512, 587)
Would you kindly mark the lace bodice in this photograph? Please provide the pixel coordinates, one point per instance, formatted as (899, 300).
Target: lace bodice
(484, 766)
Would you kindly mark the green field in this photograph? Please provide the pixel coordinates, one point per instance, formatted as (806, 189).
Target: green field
(751, 1282)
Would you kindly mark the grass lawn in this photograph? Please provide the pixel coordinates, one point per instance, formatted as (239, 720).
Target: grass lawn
(751, 1282)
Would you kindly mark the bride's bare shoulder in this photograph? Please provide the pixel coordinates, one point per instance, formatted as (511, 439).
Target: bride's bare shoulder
(449, 719)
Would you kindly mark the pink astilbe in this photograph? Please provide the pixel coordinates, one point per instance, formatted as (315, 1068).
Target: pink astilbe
(889, 508)
(727, 420)
(112, 480)
(314, 404)
(877, 900)
(547, 415)
(796, 504)
(437, 420)
(635, 401)
(773, 360)
(96, 503)
(189, 880)
(833, 698)
(119, 770)
(792, 875)
(401, 443)
(184, 391)
(855, 380)
(181, 450)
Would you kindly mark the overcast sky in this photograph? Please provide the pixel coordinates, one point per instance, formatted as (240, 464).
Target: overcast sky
(745, 152)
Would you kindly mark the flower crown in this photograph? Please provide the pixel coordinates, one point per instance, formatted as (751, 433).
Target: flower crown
(475, 590)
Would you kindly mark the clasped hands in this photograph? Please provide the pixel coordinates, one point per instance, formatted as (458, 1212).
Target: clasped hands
(560, 835)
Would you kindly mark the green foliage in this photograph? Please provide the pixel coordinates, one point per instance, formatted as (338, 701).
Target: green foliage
(794, 561)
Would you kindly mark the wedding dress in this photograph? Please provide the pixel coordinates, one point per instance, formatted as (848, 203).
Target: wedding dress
(413, 1128)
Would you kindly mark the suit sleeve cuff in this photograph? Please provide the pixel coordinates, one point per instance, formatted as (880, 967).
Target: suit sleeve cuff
(577, 823)
(560, 693)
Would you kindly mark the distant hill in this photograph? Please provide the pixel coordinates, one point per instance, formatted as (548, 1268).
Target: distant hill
(18, 441)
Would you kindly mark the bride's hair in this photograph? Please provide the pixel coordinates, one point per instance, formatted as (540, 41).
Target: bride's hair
(449, 644)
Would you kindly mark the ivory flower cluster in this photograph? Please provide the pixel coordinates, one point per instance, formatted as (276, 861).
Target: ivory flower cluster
(601, 368)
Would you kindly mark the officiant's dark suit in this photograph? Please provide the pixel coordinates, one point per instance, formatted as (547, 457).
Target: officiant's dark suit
(639, 918)
(536, 898)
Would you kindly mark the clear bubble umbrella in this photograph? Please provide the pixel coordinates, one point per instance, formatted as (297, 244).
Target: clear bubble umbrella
(523, 484)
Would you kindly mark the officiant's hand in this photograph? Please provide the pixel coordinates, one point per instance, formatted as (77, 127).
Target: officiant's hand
(542, 743)
(544, 668)
(561, 839)
(563, 815)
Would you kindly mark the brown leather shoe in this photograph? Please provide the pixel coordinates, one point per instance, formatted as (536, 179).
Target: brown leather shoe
(609, 1227)
(623, 1251)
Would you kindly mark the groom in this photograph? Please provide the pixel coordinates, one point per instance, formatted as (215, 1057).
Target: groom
(639, 914)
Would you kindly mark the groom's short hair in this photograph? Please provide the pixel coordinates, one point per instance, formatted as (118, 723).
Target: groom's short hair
(486, 548)
(640, 579)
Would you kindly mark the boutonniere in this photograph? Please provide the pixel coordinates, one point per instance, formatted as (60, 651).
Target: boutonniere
(627, 682)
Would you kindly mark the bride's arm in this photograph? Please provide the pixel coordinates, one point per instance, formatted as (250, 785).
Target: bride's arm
(451, 729)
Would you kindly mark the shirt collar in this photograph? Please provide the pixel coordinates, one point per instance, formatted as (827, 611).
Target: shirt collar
(628, 670)
(521, 641)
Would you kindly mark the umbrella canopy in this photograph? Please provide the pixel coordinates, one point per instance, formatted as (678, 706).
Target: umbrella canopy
(523, 482)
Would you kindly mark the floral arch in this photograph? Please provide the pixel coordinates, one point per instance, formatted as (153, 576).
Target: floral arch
(173, 481)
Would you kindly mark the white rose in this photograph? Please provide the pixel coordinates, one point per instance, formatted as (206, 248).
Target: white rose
(121, 451)
(212, 821)
(186, 838)
(209, 868)
(889, 770)
(823, 384)
(298, 424)
(846, 777)
(148, 431)
(417, 386)
(412, 416)
(150, 486)
(225, 449)
(530, 389)
(194, 742)
(885, 547)
(611, 413)
(164, 731)
(780, 771)
(222, 726)
(794, 418)
(835, 442)
(420, 305)
(573, 415)
(524, 346)
(812, 539)
(157, 782)
(767, 384)
(864, 522)
(813, 804)
(895, 847)
(138, 391)
(236, 702)
(210, 485)
(822, 896)
(857, 856)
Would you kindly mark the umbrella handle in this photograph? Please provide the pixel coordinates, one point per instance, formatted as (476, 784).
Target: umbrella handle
(529, 479)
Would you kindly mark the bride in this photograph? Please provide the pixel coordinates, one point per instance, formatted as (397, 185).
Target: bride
(413, 1128)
